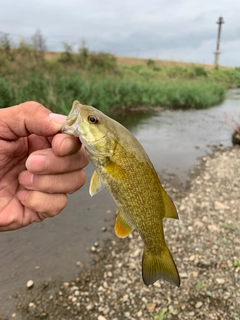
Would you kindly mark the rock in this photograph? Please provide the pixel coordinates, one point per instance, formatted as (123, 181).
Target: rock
(125, 298)
(93, 249)
(182, 208)
(220, 281)
(198, 304)
(31, 307)
(101, 318)
(213, 228)
(151, 307)
(90, 306)
(66, 285)
(220, 206)
(183, 275)
(79, 264)
(139, 313)
(30, 284)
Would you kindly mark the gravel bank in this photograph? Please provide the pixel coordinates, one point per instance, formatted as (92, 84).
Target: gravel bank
(205, 243)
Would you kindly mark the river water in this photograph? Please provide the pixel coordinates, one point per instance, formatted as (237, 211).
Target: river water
(174, 140)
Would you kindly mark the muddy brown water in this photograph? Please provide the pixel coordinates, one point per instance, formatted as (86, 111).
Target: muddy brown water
(174, 140)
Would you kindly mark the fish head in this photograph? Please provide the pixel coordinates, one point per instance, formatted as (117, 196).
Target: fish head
(90, 125)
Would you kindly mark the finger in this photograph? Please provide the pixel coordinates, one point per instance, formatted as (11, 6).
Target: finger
(37, 143)
(61, 183)
(29, 216)
(29, 118)
(64, 144)
(49, 204)
(46, 162)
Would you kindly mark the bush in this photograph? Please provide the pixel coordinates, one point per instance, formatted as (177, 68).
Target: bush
(7, 97)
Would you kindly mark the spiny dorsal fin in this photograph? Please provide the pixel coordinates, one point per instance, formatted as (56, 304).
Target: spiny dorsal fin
(96, 184)
(123, 227)
(170, 209)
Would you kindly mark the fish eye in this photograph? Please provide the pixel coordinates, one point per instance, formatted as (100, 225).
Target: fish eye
(93, 119)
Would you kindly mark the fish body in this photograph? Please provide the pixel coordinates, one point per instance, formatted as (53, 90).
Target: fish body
(122, 165)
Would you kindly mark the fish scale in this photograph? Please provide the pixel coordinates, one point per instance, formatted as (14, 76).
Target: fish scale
(122, 165)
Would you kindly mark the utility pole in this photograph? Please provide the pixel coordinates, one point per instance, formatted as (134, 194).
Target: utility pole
(217, 52)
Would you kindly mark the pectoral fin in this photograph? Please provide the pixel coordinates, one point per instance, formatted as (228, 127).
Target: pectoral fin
(96, 184)
(123, 227)
(170, 209)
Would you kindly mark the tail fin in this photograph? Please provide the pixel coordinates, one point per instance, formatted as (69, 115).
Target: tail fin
(159, 266)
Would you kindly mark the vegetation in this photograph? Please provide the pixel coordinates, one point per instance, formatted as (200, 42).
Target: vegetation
(28, 73)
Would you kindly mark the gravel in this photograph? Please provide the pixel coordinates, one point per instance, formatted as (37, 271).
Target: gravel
(205, 243)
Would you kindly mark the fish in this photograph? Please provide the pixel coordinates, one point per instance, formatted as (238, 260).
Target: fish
(124, 168)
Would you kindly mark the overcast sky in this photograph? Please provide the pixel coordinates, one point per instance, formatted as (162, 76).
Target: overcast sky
(181, 30)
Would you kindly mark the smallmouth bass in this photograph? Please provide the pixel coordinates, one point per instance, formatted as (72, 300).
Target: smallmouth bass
(122, 165)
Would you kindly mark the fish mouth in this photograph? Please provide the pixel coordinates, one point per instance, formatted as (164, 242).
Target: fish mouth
(71, 125)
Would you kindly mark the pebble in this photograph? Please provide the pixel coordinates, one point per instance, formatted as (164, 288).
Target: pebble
(220, 206)
(93, 249)
(66, 285)
(90, 306)
(198, 304)
(101, 318)
(30, 284)
(183, 275)
(31, 306)
(220, 280)
(79, 264)
(151, 307)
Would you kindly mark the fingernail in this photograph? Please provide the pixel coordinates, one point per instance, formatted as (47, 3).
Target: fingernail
(36, 163)
(26, 179)
(58, 118)
(66, 146)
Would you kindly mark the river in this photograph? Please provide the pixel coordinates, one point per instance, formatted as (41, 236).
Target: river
(174, 140)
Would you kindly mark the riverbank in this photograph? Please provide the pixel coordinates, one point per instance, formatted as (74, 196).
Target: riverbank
(102, 80)
(205, 243)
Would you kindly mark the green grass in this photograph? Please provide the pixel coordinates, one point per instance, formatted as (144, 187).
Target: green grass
(96, 79)
(107, 93)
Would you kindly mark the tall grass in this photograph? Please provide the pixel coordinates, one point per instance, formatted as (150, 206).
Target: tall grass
(97, 79)
(106, 94)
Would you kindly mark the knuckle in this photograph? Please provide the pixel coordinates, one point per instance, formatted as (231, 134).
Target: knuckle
(60, 203)
(79, 180)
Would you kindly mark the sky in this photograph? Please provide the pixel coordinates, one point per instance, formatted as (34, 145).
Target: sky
(180, 30)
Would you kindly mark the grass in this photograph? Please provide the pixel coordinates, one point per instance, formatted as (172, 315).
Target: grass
(108, 93)
(27, 72)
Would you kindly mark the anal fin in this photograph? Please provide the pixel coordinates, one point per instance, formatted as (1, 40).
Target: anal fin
(123, 227)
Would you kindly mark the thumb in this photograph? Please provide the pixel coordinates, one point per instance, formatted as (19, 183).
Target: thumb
(29, 118)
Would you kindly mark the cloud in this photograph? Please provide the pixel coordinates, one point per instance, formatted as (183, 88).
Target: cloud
(180, 28)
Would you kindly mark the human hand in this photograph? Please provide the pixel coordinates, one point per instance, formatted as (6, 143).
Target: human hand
(38, 167)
